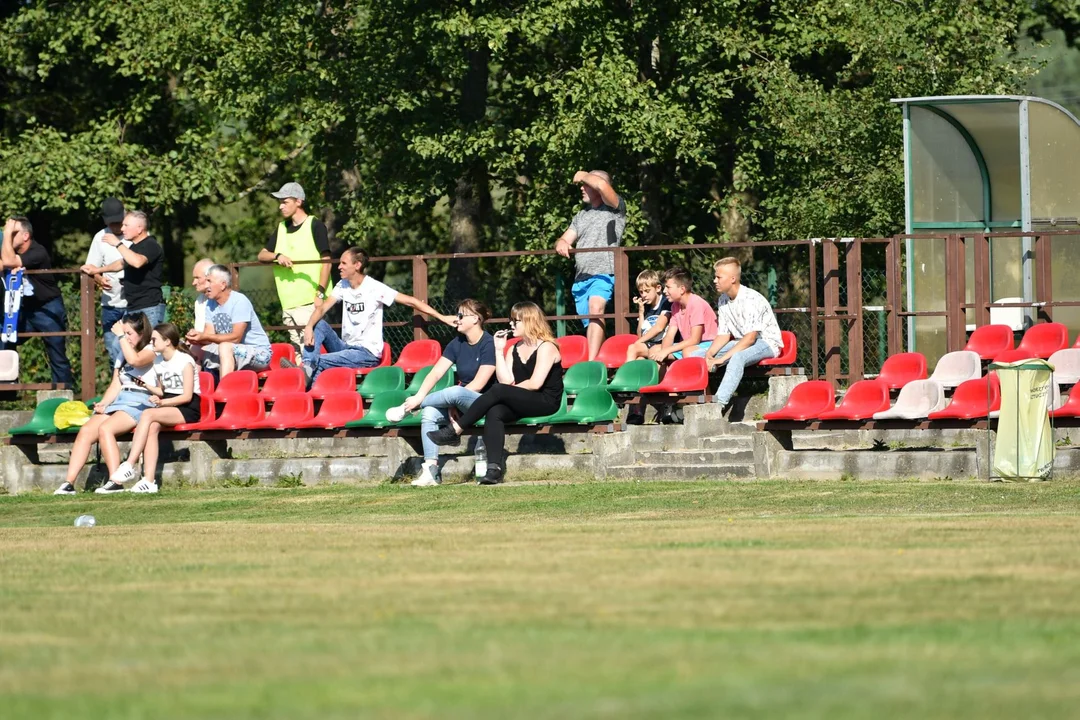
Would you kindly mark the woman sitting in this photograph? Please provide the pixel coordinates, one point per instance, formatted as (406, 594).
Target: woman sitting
(473, 353)
(175, 401)
(121, 406)
(531, 384)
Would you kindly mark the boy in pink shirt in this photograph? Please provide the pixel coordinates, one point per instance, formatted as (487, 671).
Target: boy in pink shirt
(691, 314)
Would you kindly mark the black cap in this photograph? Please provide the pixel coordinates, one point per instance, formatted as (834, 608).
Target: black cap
(112, 211)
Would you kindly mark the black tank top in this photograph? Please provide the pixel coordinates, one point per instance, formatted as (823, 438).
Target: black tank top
(553, 384)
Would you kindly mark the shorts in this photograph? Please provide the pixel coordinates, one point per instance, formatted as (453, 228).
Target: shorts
(192, 410)
(592, 286)
(252, 357)
(699, 351)
(131, 402)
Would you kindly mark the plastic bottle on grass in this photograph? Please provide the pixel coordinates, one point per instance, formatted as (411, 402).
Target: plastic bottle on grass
(85, 521)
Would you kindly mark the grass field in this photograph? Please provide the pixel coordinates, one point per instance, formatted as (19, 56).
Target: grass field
(615, 600)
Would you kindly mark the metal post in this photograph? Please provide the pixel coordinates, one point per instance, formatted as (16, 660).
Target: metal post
(87, 337)
(955, 318)
(893, 322)
(813, 312)
(831, 273)
(854, 308)
(560, 304)
(622, 291)
(982, 279)
(420, 292)
(1044, 288)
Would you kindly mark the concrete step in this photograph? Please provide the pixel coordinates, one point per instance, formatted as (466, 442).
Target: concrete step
(739, 456)
(657, 437)
(727, 442)
(682, 472)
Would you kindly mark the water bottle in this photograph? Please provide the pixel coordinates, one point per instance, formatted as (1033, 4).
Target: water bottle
(85, 521)
(480, 459)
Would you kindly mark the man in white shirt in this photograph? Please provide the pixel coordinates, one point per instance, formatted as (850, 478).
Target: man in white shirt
(363, 299)
(201, 281)
(113, 302)
(746, 332)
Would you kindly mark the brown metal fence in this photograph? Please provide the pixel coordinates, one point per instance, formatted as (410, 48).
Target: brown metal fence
(844, 298)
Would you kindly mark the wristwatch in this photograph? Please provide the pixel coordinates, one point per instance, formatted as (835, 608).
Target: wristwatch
(320, 292)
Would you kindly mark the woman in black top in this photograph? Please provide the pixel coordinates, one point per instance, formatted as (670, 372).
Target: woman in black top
(530, 384)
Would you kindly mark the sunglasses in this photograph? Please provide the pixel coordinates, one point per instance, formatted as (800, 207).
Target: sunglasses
(513, 321)
(462, 316)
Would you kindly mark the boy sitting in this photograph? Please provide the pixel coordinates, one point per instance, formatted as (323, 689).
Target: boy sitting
(654, 312)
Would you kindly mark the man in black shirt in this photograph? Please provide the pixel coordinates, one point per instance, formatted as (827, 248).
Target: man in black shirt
(141, 264)
(42, 306)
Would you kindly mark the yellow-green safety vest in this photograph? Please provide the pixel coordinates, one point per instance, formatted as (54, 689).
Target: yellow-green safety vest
(296, 286)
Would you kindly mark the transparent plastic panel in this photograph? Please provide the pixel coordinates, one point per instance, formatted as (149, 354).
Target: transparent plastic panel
(1054, 141)
(945, 179)
(928, 268)
(1006, 265)
(995, 127)
(1065, 253)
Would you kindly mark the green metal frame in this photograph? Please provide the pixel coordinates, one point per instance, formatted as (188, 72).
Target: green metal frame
(976, 153)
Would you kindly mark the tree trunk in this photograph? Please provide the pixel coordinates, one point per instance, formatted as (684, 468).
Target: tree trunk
(471, 195)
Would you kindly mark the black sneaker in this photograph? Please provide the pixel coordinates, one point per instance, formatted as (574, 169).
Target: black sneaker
(494, 476)
(635, 418)
(445, 436)
(65, 489)
(286, 363)
(110, 488)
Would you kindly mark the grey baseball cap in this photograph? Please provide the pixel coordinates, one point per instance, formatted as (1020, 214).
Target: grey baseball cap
(290, 190)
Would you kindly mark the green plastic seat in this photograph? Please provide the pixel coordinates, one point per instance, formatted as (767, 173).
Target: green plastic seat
(42, 421)
(375, 416)
(382, 380)
(421, 375)
(634, 375)
(592, 405)
(584, 375)
(545, 419)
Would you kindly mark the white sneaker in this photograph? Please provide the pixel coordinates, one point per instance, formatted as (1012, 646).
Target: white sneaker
(396, 414)
(65, 489)
(144, 486)
(109, 488)
(124, 474)
(429, 476)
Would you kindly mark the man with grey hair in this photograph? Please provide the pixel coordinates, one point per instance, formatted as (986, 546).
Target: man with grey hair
(141, 262)
(299, 237)
(200, 282)
(231, 324)
(601, 224)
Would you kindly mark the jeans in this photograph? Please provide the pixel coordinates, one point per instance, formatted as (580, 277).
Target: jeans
(49, 317)
(338, 354)
(733, 369)
(155, 314)
(109, 317)
(436, 412)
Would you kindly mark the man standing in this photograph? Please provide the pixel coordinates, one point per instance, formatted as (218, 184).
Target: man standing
(301, 288)
(141, 262)
(113, 302)
(601, 224)
(747, 332)
(363, 299)
(42, 305)
(231, 324)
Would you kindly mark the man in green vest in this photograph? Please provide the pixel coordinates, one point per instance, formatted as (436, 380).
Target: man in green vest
(301, 288)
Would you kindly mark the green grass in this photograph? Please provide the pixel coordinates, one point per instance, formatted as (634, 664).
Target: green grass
(600, 600)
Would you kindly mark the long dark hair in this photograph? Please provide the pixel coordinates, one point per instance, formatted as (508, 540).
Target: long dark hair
(140, 324)
(169, 332)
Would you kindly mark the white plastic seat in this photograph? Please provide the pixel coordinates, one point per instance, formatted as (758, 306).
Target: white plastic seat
(917, 399)
(9, 366)
(1066, 366)
(956, 367)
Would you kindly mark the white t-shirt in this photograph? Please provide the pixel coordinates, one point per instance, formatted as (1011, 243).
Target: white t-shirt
(748, 312)
(170, 373)
(127, 371)
(200, 312)
(102, 254)
(361, 313)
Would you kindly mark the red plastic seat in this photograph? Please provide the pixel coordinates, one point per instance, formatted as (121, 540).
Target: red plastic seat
(510, 342)
(283, 381)
(419, 354)
(278, 351)
(573, 349)
(239, 413)
(686, 375)
(333, 381)
(206, 384)
(1040, 341)
(290, 410)
(1071, 408)
(788, 351)
(902, 368)
(337, 410)
(384, 362)
(990, 340)
(808, 400)
(207, 408)
(613, 351)
(972, 399)
(861, 401)
(238, 382)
